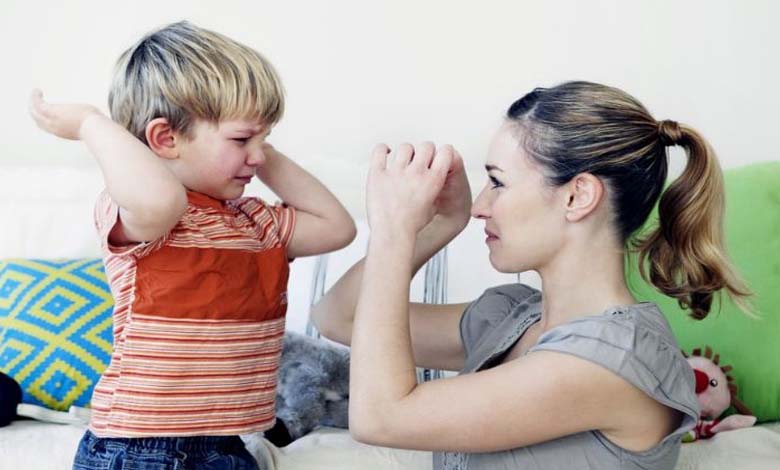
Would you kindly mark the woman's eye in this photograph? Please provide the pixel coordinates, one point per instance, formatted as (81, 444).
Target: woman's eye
(494, 183)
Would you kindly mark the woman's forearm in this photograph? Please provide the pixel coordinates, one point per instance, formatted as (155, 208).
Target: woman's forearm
(334, 314)
(382, 368)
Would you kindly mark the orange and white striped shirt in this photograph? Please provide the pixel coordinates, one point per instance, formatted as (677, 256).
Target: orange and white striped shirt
(198, 322)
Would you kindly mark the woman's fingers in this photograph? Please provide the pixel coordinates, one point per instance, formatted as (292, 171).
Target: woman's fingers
(379, 157)
(403, 155)
(457, 161)
(406, 188)
(422, 157)
(423, 154)
(442, 163)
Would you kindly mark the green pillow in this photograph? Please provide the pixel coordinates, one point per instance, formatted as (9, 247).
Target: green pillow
(55, 328)
(751, 346)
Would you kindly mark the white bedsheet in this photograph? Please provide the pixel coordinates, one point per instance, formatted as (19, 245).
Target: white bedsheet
(33, 445)
(756, 448)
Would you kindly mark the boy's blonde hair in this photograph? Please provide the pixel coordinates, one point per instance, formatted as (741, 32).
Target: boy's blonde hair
(182, 72)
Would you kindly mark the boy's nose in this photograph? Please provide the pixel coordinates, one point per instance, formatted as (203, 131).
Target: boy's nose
(256, 157)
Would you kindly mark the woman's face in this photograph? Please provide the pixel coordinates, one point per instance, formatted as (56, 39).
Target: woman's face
(524, 217)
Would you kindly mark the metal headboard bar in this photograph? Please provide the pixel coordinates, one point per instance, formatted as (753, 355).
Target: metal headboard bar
(434, 292)
(317, 290)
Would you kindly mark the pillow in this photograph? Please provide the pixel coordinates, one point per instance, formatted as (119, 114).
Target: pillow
(55, 328)
(751, 346)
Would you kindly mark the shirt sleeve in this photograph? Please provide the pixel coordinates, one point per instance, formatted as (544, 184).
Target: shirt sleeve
(284, 216)
(645, 357)
(275, 223)
(482, 315)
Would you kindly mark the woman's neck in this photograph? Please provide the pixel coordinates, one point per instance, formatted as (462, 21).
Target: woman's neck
(582, 281)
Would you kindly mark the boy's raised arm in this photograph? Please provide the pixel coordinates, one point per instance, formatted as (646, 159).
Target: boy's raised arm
(322, 222)
(150, 198)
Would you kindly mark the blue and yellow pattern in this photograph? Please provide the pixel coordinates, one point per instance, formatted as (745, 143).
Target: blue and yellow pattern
(55, 328)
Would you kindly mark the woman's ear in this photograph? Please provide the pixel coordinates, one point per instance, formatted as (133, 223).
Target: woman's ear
(584, 192)
(162, 139)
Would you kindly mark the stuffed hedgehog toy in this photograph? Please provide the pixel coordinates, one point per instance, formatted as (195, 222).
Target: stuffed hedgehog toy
(715, 393)
(312, 389)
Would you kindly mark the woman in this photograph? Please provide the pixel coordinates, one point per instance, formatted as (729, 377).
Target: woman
(578, 375)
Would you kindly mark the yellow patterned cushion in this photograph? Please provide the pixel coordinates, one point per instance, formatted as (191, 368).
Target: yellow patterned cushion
(55, 328)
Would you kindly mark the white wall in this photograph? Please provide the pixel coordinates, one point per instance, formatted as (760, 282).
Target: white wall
(358, 72)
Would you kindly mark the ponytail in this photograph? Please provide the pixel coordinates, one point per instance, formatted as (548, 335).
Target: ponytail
(685, 254)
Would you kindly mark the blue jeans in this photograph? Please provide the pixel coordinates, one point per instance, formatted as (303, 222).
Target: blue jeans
(163, 453)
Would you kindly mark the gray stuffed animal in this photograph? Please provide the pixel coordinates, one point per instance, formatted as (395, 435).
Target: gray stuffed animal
(312, 389)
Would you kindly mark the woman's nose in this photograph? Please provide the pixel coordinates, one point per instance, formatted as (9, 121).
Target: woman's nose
(480, 206)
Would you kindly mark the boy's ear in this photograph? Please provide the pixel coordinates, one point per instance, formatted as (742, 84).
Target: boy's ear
(161, 138)
(584, 193)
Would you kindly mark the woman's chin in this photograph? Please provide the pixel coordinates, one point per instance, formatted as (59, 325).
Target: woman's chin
(497, 264)
(503, 265)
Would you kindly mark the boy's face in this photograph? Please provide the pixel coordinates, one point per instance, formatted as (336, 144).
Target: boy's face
(220, 159)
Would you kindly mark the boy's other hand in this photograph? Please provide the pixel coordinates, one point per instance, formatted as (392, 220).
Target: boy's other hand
(62, 120)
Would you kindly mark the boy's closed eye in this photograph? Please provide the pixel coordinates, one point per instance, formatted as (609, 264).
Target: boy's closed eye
(243, 139)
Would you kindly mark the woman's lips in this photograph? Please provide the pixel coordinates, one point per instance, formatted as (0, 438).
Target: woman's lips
(490, 236)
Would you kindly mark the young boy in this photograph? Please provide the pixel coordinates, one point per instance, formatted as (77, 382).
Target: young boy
(198, 273)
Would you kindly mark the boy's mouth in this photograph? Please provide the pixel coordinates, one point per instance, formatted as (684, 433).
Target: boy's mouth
(243, 179)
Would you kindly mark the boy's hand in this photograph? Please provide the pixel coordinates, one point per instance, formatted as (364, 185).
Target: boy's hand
(62, 120)
(266, 171)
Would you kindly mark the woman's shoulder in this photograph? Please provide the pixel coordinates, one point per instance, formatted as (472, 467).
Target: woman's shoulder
(628, 332)
(515, 292)
(497, 302)
(497, 309)
(636, 343)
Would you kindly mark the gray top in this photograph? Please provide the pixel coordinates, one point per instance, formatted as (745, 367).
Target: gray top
(634, 341)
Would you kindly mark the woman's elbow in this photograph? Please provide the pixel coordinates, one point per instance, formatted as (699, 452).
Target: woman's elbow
(367, 429)
(332, 328)
(320, 320)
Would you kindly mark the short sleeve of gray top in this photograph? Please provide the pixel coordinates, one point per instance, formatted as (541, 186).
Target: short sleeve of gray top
(635, 342)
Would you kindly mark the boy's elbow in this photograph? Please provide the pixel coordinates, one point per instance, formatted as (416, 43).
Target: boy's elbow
(169, 207)
(177, 201)
(150, 219)
(343, 233)
(349, 233)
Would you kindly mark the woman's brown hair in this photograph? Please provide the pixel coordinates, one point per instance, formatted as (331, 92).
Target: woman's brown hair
(583, 127)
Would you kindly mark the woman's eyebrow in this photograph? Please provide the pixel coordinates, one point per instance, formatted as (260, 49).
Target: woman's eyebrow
(490, 168)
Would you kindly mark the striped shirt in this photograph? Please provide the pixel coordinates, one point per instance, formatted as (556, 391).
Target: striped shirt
(198, 322)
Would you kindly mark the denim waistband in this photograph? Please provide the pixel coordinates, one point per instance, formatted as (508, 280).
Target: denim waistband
(182, 444)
